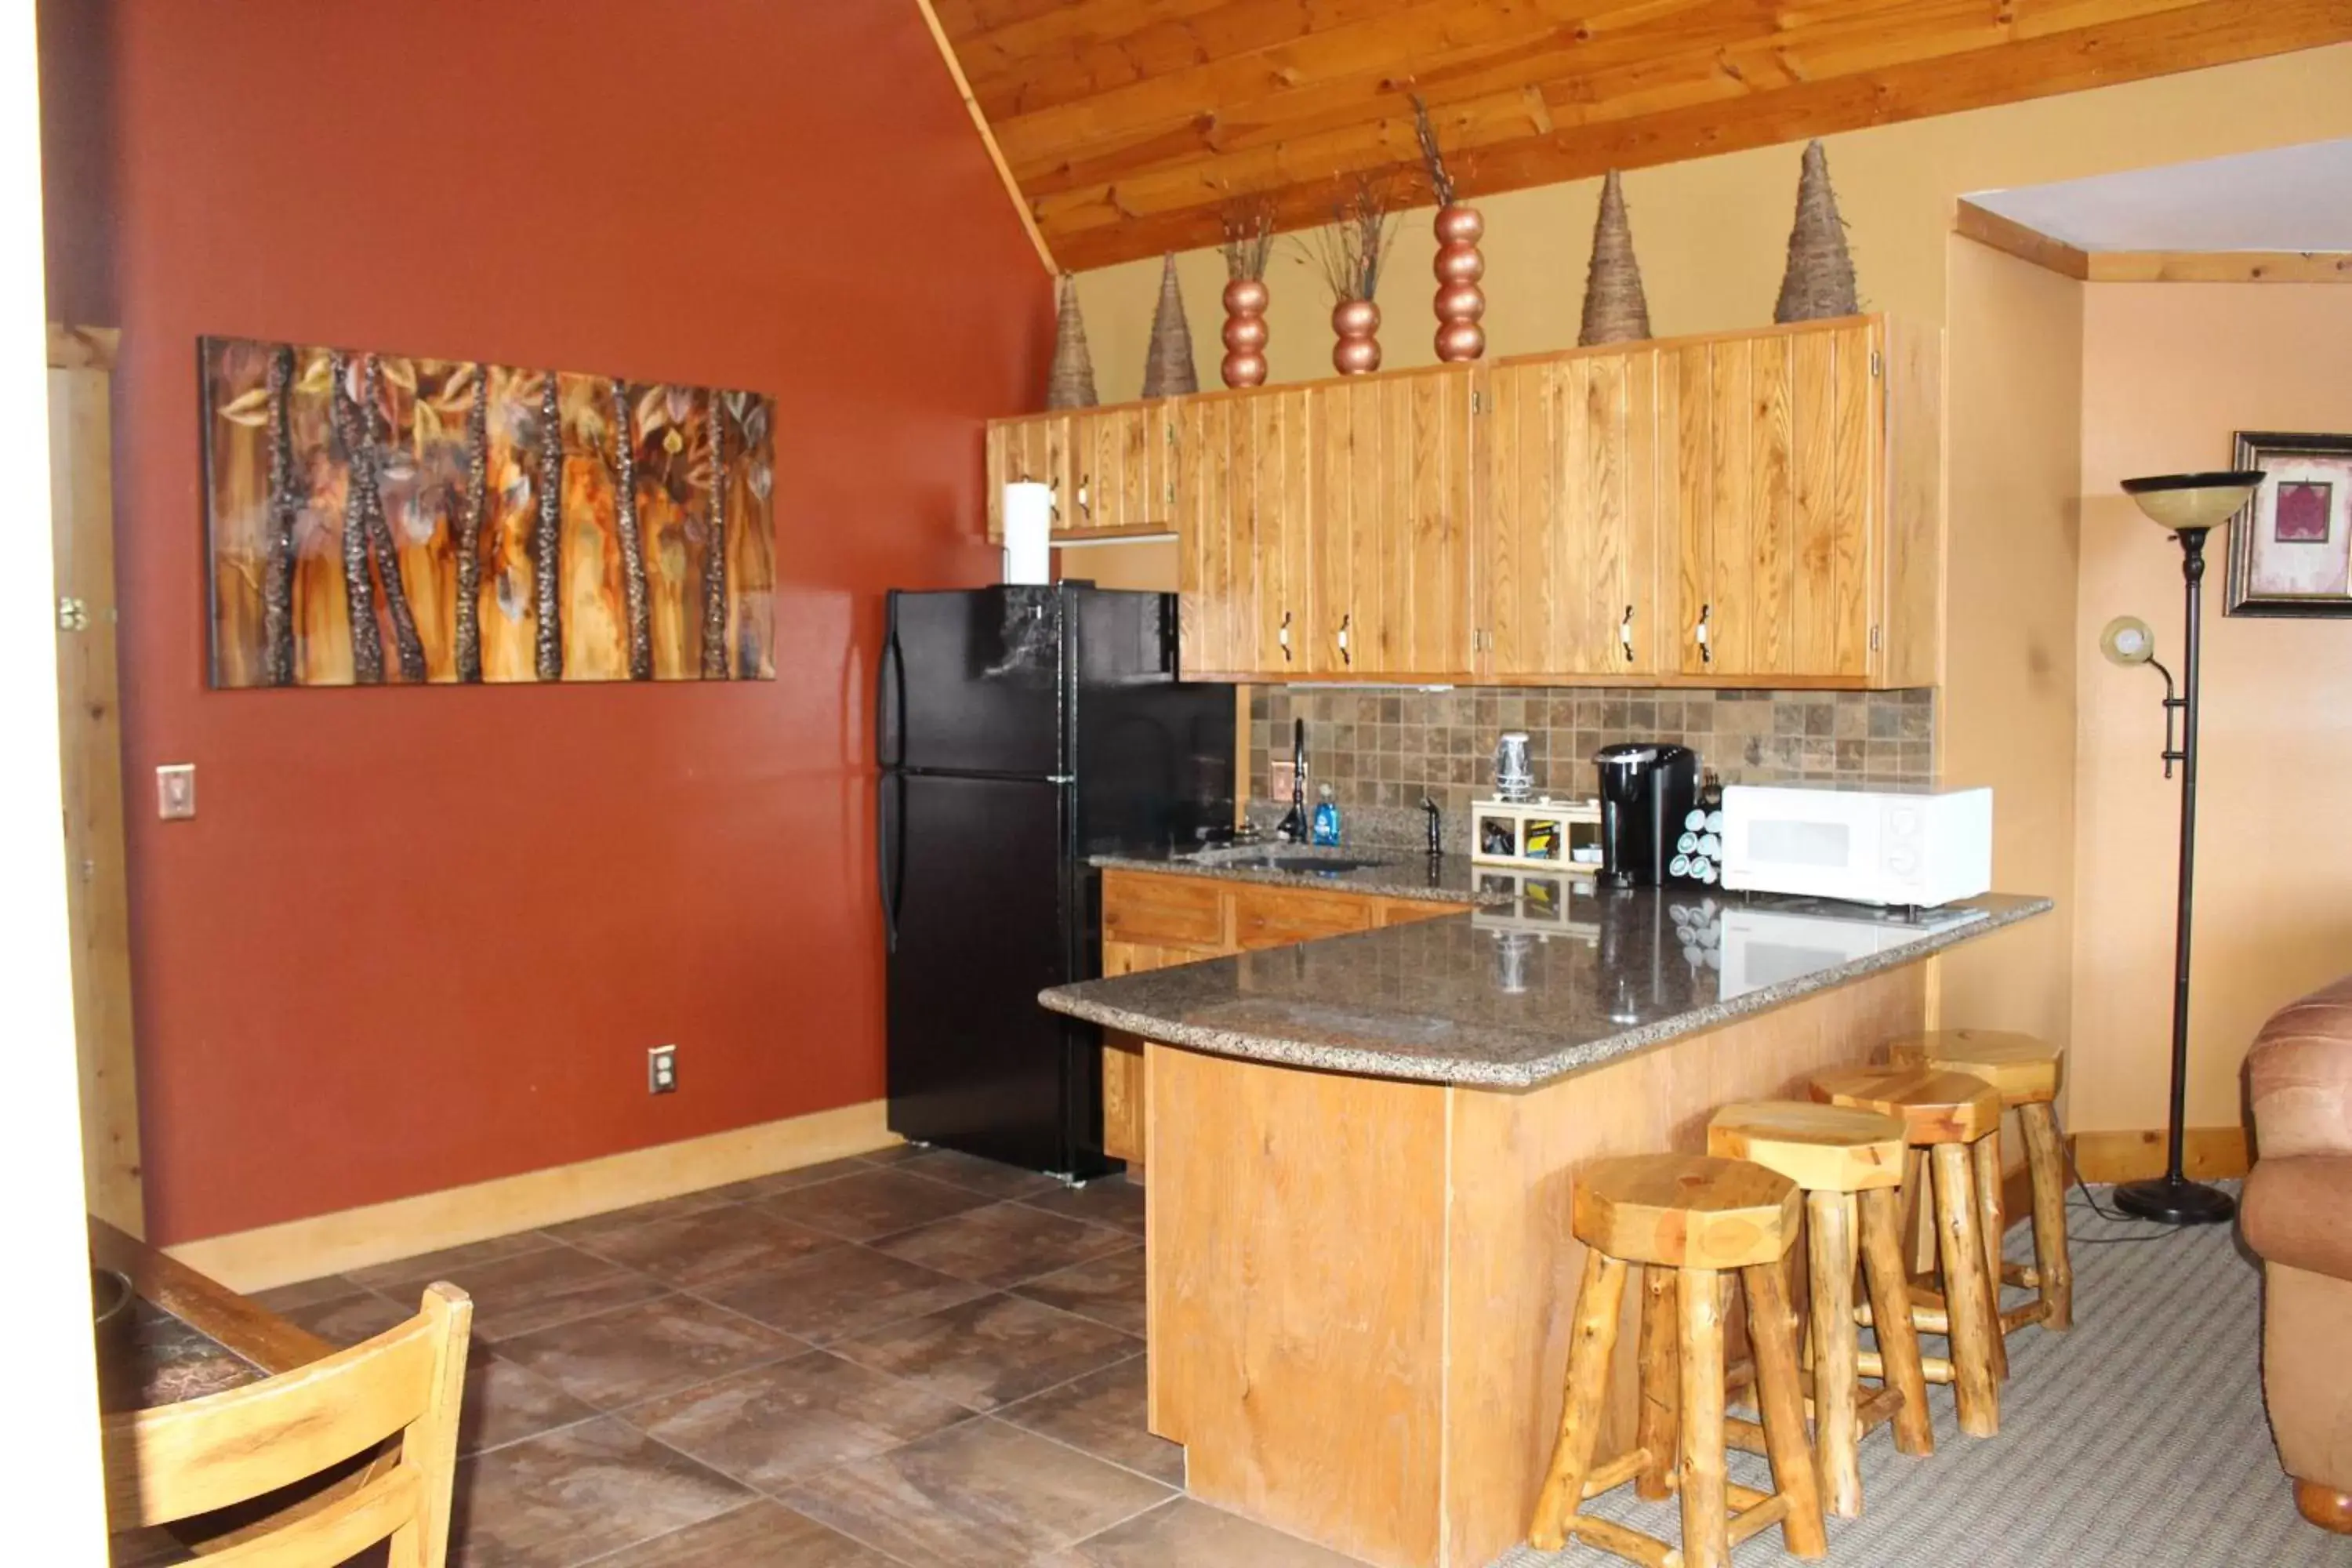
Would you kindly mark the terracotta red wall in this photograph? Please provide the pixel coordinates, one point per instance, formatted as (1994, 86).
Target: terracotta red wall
(420, 938)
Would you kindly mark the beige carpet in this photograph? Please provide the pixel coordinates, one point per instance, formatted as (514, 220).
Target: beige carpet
(2139, 1438)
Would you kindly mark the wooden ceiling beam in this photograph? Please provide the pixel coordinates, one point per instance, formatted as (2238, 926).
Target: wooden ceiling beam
(1658, 113)
(1481, 98)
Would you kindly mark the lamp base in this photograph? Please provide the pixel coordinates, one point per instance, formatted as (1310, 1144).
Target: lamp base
(2171, 1201)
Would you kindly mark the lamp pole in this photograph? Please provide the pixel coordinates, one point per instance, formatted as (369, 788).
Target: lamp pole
(2172, 1198)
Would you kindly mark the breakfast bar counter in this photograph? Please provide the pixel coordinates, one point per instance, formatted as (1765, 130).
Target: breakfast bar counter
(1361, 1277)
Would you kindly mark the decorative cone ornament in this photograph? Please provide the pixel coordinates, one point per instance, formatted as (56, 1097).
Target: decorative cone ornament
(1168, 368)
(1818, 283)
(1072, 381)
(1615, 309)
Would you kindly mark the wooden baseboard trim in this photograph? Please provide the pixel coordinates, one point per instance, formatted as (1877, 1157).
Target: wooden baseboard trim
(276, 1255)
(2205, 1153)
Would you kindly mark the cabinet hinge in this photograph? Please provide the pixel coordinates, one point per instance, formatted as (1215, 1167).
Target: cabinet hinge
(1877, 366)
(73, 615)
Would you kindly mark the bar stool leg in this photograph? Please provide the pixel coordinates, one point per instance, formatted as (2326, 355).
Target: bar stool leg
(1589, 1355)
(1771, 1326)
(1660, 1401)
(1829, 1220)
(1890, 1301)
(2046, 1162)
(1967, 1295)
(1699, 1342)
(1992, 1222)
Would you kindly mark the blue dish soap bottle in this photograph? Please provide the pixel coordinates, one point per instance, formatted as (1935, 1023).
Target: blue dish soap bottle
(1327, 820)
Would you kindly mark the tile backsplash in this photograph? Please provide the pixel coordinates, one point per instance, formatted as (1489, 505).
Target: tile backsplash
(1381, 751)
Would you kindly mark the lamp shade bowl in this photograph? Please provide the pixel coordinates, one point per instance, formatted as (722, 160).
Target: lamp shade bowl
(2183, 502)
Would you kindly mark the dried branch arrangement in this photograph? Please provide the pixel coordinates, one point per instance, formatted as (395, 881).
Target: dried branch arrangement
(1432, 156)
(1349, 251)
(1249, 238)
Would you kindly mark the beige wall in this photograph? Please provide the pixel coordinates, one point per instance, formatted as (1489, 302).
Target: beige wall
(1712, 233)
(2006, 716)
(2169, 372)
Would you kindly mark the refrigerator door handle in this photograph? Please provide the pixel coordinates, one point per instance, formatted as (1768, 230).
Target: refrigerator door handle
(889, 854)
(890, 694)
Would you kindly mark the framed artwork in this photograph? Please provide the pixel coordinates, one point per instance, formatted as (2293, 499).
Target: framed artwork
(2291, 548)
(377, 519)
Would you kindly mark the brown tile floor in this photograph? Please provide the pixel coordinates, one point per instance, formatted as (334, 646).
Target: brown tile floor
(910, 1358)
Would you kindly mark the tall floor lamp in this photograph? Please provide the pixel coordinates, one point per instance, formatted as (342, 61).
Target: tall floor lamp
(2191, 505)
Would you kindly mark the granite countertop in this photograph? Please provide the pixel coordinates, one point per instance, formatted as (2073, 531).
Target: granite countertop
(1375, 871)
(1513, 995)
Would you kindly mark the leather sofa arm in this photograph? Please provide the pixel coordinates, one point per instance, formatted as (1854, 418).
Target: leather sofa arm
(2298, 1213)
(2299, 1077)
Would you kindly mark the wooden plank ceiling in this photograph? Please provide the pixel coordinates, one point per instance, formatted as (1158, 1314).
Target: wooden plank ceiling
(1128, 124)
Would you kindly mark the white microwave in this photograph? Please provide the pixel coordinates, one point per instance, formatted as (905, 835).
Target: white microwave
(1871, 847)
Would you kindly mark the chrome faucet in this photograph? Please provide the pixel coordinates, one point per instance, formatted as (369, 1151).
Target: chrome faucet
(1292, 829)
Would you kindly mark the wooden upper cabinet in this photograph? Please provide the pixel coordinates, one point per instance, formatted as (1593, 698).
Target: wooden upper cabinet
(1804, 470)
(1112, 469)
(1569, 530)
(1037, 449)
(1245, 560)
(1124, 461)
(1394, 524)
(1750, 509)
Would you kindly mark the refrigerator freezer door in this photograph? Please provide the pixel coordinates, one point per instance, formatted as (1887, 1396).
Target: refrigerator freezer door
(971, 681)
(1154, 759)
(983, 923)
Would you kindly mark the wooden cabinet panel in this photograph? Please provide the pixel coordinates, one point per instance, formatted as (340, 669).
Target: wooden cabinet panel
(1125, 468)
(1353, 631)
(1246, 564)
(1277, 511)
(1428, 571)
(1276, 917)
(1776, 470)
(1139, 906)
(1405, 911)
(1570, 534)
(1036, 449)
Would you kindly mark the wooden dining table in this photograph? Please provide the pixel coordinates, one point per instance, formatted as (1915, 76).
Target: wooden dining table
(191, 1336)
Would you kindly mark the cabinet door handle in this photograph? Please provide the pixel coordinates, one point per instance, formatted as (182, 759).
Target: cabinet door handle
(1086, 500)
(1705, 643)
(1345, 656)
(1282, 636)
(1625, 633)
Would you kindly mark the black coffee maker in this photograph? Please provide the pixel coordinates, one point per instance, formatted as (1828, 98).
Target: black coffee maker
(1647, 790)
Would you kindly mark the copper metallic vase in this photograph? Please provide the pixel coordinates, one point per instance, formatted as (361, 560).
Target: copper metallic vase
(1244, 361)
(1358, 351)
(1460, 301)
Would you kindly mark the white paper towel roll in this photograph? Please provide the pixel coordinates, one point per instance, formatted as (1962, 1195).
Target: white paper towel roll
(1028, 533)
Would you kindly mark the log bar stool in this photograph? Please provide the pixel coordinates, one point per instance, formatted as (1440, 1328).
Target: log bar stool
(1956, 1119)
(1689, 1219)
(1845, 1161)
(2026, 1071)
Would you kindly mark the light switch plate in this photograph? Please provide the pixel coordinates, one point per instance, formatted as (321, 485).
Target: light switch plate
(176, 791)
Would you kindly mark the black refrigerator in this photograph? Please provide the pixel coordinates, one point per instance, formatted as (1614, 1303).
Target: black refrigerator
(1020, 731)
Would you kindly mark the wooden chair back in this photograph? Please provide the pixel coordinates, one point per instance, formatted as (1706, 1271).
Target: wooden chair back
(175, 1462)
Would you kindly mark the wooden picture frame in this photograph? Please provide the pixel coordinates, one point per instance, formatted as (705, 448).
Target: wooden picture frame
(2291, 546)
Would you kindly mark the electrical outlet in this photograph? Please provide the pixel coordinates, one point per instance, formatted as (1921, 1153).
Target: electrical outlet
(176, 791)
(661, 1070)
(1277, 778)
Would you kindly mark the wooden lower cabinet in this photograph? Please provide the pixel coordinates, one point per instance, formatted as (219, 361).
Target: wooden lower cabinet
(1156, 920)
